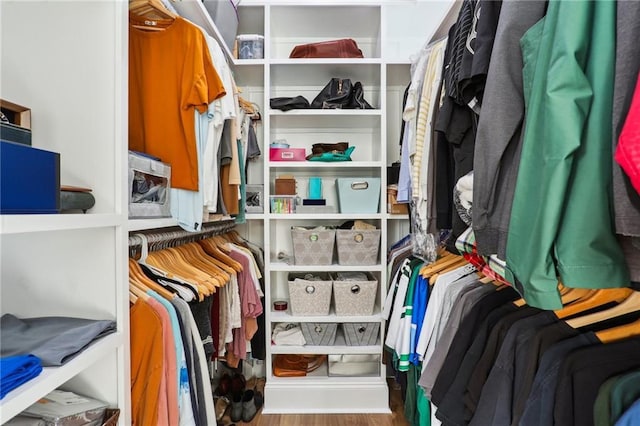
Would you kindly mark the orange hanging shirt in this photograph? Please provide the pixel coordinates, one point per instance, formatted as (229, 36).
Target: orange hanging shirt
(170, 75)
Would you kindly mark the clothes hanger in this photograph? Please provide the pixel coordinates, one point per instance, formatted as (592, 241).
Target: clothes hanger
(141, 279)
(223, 269)
(158, 265)
(458, 264)
(195, 259)
(618, 333)
(440, 264)
(597, 298)
(212, 247)
(629, 304)
(151, 9)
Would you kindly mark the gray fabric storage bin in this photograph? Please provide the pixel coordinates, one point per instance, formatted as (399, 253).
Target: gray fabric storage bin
(358, 246)
(361, 333)
(352, 296)
(312, 246)
(319, 333)
(308, 296)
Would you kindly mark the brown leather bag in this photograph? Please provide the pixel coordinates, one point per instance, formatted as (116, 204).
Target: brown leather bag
(289, 365)
(343, 48)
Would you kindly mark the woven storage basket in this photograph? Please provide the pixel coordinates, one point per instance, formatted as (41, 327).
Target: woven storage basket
(319, 333)
(361, 333)
(310, 297)
(354, 297)
(358, 246)
(313, 247)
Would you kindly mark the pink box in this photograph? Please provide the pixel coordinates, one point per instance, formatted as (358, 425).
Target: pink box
(287, 154)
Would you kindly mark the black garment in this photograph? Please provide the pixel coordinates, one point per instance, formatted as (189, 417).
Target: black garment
(582, 373)
(494, 407)
(458, 62)
(483, 367)
(201, 311)
(258, 345)
(539, 408)
(464, 338)
(482, 45)
(453, 408)
(529, 360)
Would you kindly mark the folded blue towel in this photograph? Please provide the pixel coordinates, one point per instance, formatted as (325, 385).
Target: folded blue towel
(16, 370)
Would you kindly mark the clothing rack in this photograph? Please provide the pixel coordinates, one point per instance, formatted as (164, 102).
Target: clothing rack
(170, 238)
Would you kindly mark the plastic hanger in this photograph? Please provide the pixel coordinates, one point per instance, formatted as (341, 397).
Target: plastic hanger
(627, 305)
(595, 299)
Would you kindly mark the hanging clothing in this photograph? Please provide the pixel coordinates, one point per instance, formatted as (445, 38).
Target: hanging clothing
(498, 141)
(561, 174)
(170, 75)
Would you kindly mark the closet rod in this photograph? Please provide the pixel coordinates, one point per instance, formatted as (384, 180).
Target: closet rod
(160, 239)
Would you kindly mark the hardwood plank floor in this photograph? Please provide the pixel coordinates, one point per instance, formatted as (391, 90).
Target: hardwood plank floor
(396, 418)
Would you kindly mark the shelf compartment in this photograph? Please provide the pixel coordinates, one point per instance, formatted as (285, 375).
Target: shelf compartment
(326, 61)
(52, 377)
(295, 25)
(328, 112)
(339, 347)
(312, 165)
(285, 316)
(285, 267)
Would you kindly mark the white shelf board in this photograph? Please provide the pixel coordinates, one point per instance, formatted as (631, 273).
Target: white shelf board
(324, 165)
(398, 216)
(319, 216)
(280, 266)
(339, 347)
(328, 112)
(254, 216)
(18, 224)
(142, 224)
(321, 376)
(286, 316)
(248, 62)
(325, 61)
(52, 377)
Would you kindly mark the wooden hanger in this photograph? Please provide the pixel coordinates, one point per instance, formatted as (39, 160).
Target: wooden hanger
(153, 9)
(618, 333)
(212, 247)
(440, 264)
(458, 264)
(598, 298)
(627, 305)
(201, 262)
(143, 281)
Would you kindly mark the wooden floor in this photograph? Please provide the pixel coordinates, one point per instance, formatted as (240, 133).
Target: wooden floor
(396, 418)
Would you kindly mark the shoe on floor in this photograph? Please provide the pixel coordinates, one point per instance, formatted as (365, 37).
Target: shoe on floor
(249, 409)
(221, 404)
(236, 408)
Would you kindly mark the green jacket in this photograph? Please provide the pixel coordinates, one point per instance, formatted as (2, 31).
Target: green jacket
(561, 224)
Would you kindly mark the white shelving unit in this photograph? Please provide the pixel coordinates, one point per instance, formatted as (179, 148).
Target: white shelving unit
(71, 264)
(377, 27)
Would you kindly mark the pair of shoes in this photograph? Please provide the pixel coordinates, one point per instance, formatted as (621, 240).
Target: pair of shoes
(244, 408)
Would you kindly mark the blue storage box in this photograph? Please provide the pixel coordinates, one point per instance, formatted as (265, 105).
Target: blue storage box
(358, 195)
(29, 180)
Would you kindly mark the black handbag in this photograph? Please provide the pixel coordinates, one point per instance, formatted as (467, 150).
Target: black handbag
(340, 93)
(285, 104)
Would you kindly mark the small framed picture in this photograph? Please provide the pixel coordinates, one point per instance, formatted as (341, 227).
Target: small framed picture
(255, 198)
